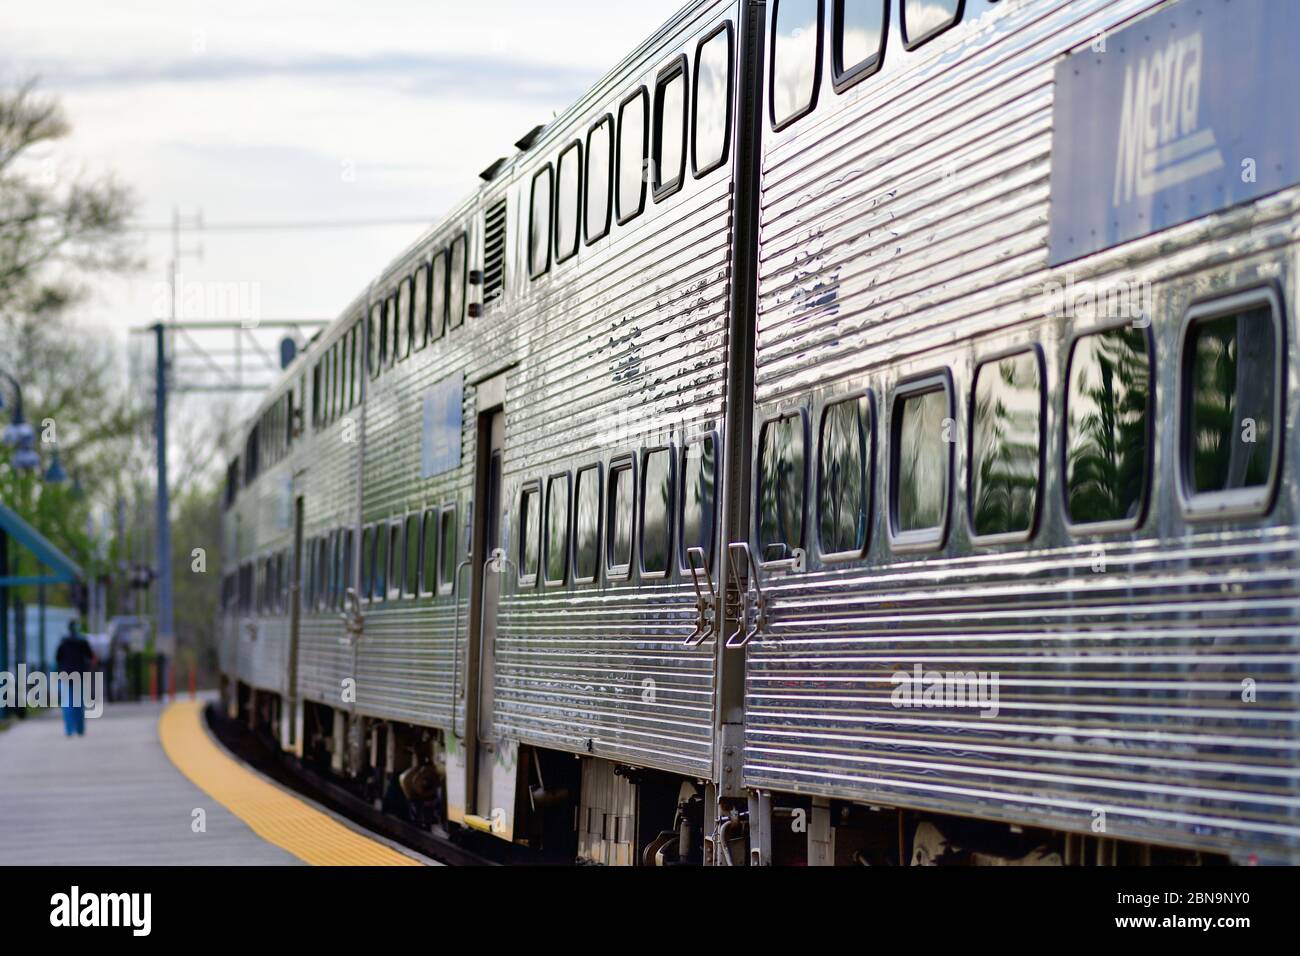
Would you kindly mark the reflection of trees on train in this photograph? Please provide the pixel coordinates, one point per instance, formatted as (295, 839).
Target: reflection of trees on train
(923, 461)
(781, 489)
(926, 15)
(658, 506)
(697, 515)
(1232, 389)
(842, 482)
(1005, 449)
(586, 538)
(1108, 405)
(793, 74)
(557, 528)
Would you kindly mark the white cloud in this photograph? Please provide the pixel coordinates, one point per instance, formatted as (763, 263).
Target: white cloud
(250, 111)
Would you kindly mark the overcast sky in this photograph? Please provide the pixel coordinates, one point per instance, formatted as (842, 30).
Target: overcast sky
(302, 110)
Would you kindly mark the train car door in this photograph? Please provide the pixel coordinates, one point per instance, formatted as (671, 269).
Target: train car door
(482, 768)
(490, 594)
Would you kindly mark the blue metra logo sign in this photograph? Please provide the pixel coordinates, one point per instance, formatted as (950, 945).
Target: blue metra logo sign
(443, 416)
(1185, 112)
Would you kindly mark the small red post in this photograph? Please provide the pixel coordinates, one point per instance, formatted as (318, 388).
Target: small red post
(194, 680)
(153, 679)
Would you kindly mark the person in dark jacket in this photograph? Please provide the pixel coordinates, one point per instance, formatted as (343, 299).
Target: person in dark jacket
(74, 656)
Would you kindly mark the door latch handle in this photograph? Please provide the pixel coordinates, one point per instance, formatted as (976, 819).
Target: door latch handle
(706, 602)
(750, 574)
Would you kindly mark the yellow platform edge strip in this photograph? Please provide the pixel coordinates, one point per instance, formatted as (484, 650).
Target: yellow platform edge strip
(273, 814)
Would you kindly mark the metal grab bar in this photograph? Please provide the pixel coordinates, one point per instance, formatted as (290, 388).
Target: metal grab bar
(353, 618)
(742, 637)
(455, 645)
(496, 563)
(706, 604)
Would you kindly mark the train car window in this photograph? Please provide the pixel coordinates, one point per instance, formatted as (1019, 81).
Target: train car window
(844, 478)
(438, 296)
(857, 40)
(411, 586)
(586, 525)
(323, 569)
(669, 152)
(396, 325)
(633, 122)
(354, 370)
(331, 383)
(456, 290)
(699, 497)
(782, 477)
(429, 553)
(333, 596)
(286, 569)
(657, 512)
(1232, 385)
(447, 563)
(346, 564)
(309, 575)
(382, 562)
(712, 102)
(322, 392)
(340, 572)
(367, 562)
(1108, 421)
(374, 338)
(420, 322)
(325, 555)
(385, 319)
(396, 554)
(315, 403)
(345, 368)
(530, 530)
(557, 530)
(600, 178)
(1006, 450)
(568, 202)
(620, 518)
(539, 232)
(796, 60)
(404, 328)
(341, 378)
(922, 435)
(925, 19)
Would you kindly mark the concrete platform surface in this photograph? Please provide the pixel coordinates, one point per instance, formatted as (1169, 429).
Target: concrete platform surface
(111, 798)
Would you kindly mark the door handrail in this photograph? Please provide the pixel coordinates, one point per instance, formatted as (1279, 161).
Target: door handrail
(455, 645)
(705, 603)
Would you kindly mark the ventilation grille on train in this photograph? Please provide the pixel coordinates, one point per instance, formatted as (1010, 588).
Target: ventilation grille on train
(494, 253)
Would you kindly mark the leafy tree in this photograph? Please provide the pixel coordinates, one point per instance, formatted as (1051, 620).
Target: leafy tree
(54, 231)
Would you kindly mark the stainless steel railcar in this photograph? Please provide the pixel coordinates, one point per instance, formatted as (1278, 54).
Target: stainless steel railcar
(856, 431)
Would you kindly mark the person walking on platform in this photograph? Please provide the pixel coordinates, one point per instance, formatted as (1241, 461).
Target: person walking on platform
(74, 656)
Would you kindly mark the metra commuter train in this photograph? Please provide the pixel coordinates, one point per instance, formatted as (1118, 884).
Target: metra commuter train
(856, 432)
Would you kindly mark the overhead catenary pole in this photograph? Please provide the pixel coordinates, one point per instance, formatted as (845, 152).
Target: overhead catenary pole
(166, 623)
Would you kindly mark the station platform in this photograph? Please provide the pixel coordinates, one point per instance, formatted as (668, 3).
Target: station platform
(128, 792)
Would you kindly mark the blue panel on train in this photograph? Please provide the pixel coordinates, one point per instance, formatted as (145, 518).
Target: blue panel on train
(1185, 112)
(440, 446)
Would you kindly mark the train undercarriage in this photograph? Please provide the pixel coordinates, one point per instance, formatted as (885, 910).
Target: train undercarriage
(584, 810)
